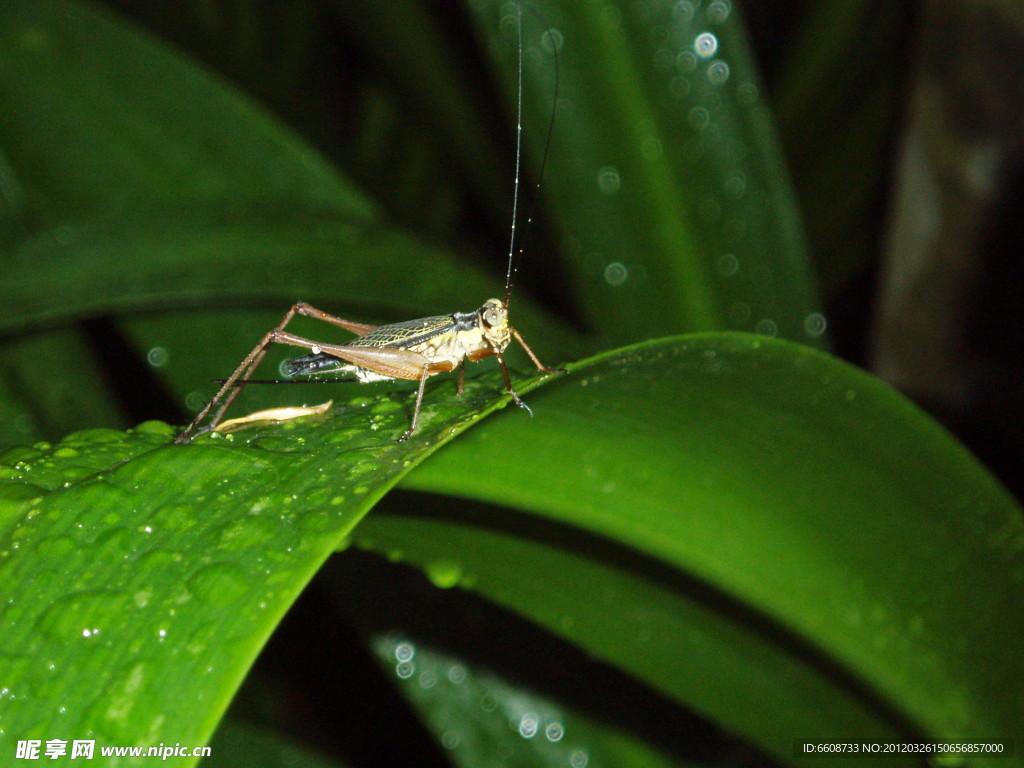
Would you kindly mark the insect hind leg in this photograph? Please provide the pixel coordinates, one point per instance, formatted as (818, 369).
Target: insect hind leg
(231, 387)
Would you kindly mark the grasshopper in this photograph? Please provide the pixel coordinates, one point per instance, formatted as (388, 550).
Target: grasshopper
(413, 350)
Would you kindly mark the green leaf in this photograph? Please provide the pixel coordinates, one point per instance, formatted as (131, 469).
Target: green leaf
(475, 715)
(665, 176)
(96, 116)
(154, 258)
(51, 384)
(678, 634)
(811, 542)
(758, 531)
(135, 570)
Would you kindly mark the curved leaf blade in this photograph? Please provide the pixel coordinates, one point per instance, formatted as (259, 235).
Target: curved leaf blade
(665, 175)
(855, 586)
(152, 258)
(476, 715)
(134, 570)
(676, 634)
(809, 492)
(96, 115)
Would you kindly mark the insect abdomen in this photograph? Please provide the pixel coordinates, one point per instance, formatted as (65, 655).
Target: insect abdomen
(316, 363)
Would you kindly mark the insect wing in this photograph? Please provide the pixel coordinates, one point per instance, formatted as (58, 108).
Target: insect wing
(405, 334)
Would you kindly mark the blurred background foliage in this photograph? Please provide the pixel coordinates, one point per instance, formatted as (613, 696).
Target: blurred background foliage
(899, 121)
(897, 199)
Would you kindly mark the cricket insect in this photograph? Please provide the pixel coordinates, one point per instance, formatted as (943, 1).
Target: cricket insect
(413, 350)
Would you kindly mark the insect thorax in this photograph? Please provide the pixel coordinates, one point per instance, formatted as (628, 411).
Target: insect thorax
(468, 333)
(492, 319)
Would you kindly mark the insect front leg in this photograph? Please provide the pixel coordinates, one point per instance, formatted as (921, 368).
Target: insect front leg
(231, 387)
(536, 361)
(508, 383)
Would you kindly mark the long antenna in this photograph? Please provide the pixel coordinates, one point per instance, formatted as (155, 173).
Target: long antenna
(519, 153)
(514, 254)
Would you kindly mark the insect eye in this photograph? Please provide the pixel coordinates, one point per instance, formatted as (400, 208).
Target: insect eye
(492, 317)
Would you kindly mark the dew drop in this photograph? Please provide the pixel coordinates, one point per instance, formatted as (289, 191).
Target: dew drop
(67, 618)
(727, 265)
(529, 724)
(54, 548)
(158, 357)
(246, 532)
(201, 640)
(698, 117)
(386, 406)
(706, 45)
(154, 427)
(450, 740)
(427, 680)
(195, 400)
(218, 584)
(615, 274)
(552, 40)
(444, 574)
(718, 11)
(815, 324)
(683, 11)
(608, 180)
(718, 72)
(488, 703)
(405, 652)
(686, 61)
